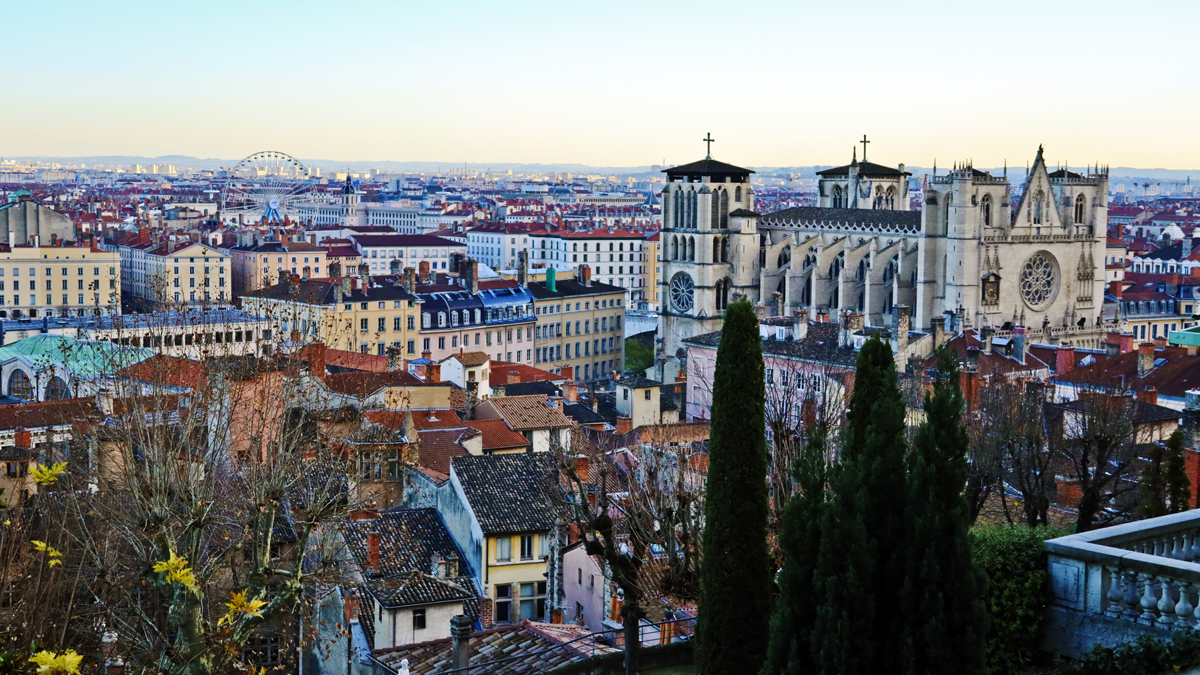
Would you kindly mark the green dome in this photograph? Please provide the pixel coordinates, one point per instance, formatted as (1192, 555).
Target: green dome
(84, 358)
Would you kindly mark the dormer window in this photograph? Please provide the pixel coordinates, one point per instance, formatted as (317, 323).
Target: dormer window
(441, 319)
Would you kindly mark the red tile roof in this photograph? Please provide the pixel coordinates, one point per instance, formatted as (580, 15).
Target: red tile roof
(173, 371)
(361, 383)
(498, 375)
(422, 419)
(439, 446)
(497, 435)
(61, 412)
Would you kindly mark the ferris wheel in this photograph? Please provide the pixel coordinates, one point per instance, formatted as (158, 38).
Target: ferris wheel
(266, 186)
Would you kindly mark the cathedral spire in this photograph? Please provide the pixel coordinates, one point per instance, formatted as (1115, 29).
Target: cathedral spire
(854, 156)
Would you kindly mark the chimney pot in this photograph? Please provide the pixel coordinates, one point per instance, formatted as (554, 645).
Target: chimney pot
(373, 552)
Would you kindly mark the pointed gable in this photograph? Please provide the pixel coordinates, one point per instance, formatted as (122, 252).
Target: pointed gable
(1037, 181)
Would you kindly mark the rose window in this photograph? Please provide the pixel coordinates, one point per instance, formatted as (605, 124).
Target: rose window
(1039, 280)
(683, 292)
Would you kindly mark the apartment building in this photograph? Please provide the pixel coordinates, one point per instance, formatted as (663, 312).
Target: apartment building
(653, 271)
(41, 281)
(494, 317)
(497, 244)
(616, 256)
(261, 264)
(156, 276)
(579, 325)
(378, 250)
(349, 313)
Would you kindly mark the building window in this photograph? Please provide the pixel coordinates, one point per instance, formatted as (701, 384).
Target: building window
(503, 603)
(533, 601)
(503, 549)
(526, 547)
(418, 619)
(261, 651)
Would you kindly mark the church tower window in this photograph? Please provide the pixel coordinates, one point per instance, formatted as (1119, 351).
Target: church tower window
(724, 209)
(737, 194)
(985, 210)
(1037, 207)
(691, 249)
(678, 209)
(890, 201)
(1080, 205)
(716, 209)
(837, 197)
(674, 248)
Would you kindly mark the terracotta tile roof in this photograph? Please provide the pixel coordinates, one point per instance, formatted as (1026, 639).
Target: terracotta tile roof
(469, 359)
(347, 360)
(359, 383)
(485, 646)
(61, 412)
(439, 446)
(422, 419)
(498, 375)
(508, 493)
(525, 413)
(1175, 375)
(497, 435)
(173, 371)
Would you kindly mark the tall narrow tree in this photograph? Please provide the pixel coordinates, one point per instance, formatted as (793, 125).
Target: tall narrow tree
(735, 578)
(790, 650)
(945, 620)
(861, 563)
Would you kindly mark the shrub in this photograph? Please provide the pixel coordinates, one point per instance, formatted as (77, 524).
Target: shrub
(1014, 560)
(1144, 655)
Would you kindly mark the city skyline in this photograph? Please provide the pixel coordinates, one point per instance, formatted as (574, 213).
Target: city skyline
(539, 83)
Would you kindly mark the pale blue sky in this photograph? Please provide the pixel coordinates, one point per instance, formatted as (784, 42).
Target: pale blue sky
(610, 84)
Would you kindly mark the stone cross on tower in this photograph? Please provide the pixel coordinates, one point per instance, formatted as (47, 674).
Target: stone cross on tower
(708, 139)
(864, 142)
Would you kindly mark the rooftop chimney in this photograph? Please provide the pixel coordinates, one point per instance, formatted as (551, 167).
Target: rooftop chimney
(423, 271)
(335, 269)
(1148, 394)
(410, 280)
(316, 359)
(373, 552)
(523, 268)
(1064, 359)
(902, 325)
(433, 373)
(551, 284)
(460, 641)
(1145, 358)
(939, 330)
(364, 276)
(985, 339)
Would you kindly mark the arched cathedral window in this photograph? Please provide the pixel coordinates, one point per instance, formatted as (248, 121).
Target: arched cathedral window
(985, 210)
(724, 209)
(1037, 207)
(837, 197)
(674, 248)
(691, 209)
(678, 209)
(737, 194)
(1080, 205)
(890, 201)
(691, 247)
(716, 209)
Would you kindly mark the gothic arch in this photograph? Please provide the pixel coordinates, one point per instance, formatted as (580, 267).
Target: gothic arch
(837, 197)
(674, 249)
(716, 249)
(985, 210)
(691, 249)
(785, 256)
(890, 199)
(678, 209)
(716, 209)
(1080, 209)
(737, 194)
(1038, 201)
(724, 249)
(724, 209)
(691, 209)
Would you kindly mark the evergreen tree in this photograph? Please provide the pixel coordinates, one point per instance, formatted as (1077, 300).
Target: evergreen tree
(789, 650)
(735, 577)
(945, 623)
(1179, 486)
(860, 568)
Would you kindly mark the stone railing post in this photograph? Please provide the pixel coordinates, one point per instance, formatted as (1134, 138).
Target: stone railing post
(1149, 602)
(1116, 592)
(1166, 605)
(1131, 595)
(1184, 608)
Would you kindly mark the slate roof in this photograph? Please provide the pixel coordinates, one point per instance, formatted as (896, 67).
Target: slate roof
(529, 412)
(541, 388)
(488, 645)
(161, 369)
(707, 167)
(422, 419)
(1143, 412)
(570, 288)
(321, 292)
(864, 169)
(1174, 376)
(507, 493)
(582, 413)
(408, 541)
(636, 382)
(908, 221)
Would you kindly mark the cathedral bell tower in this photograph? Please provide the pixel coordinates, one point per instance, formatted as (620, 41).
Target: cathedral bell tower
(349, 202)
(710, 249)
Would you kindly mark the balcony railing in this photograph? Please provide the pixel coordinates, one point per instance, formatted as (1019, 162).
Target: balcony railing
(1114, 584)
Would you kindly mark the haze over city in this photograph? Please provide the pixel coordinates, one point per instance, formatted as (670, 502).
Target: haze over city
(623, 84)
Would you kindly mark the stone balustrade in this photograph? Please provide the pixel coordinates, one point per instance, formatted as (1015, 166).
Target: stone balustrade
(1114, 584)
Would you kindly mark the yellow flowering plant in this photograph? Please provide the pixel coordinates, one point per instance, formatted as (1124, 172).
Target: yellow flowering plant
(52, 553)
(238, 604)
(49, 662)
(177, 571)
(47, 475)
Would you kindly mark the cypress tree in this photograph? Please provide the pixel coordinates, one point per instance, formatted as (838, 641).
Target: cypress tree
(789, 651)
(735, 577)
(860, 568)
(1179, 486)
(946, 621)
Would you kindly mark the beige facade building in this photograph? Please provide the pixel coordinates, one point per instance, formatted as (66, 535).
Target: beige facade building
(58, 281)
(256, 266)
(579, 326)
